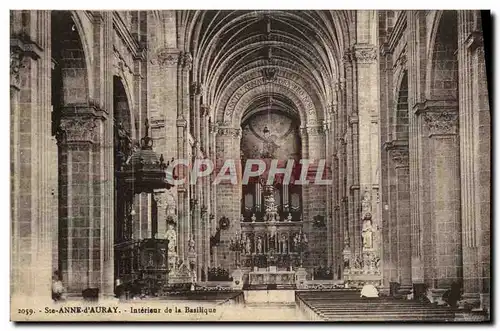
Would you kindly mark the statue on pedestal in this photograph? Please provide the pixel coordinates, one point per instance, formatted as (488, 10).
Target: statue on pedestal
(259, 245)
(171, 236)
(366, 205)
(191, 245)
(248, 245)
(367, 234)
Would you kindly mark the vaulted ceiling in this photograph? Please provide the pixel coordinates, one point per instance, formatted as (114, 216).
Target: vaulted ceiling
(304, 46)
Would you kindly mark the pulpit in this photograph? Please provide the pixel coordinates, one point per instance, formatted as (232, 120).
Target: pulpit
(141, 264)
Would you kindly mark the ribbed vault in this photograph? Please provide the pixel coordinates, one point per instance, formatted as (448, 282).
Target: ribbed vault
(230, 48)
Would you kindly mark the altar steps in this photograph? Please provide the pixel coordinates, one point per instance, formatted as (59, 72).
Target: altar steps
(348, 306)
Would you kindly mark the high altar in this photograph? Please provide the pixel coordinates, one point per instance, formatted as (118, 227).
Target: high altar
(271, 244)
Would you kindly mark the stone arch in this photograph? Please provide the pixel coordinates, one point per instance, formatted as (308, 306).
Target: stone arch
(442, 67)
(237, 105)
(87, 49)
(122, 110)
(282, 73)
(232, 111)
(400, 121)
(71, 63)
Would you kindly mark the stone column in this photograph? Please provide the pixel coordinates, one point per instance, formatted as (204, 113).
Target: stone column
(445, 193)
(107, 229)
(400, 160)
(228, 195)
(475, 157)
(364, 123)
(80, 222)
(184, 217)
(316, 203)
(33, 178)
(207, 185)
(196, 91)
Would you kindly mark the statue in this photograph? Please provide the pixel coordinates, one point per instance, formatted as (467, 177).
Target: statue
(358, 263)
(253, 218)
(366, 205)
(367, 234)
(248, 246)
(259, 245)
(289, 217)
(171, 235)
(269, 147)
(191, 245)
(296, 242)
(284, 241)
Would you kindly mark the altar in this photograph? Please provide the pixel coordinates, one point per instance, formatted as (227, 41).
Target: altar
(272, 277)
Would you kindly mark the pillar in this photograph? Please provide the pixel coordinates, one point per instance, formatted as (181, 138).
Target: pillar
(33, 175)
(400, 160)
(228, 195)
(184, 217)
(80, 214)
(444, 175)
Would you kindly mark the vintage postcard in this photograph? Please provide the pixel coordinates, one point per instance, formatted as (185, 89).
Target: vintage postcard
(250, 165)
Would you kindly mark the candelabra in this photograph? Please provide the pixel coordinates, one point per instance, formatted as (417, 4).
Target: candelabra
(237, 245)
(302, 243)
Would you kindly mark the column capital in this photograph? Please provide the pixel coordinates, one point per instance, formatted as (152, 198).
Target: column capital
(365, 53)
(399, 152)
(78, 129)
(214, 127)
(168, 57)
(15, 67)
(20, 48)
(186, 61)
(181, 122)
(314, 130)
(347, 57)
(443, 123)
(400, 156)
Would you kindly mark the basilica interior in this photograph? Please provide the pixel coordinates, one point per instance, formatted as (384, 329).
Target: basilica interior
(396, 103)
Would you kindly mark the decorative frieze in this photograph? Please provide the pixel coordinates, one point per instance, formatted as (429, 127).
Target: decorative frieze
(229, 132)
(168, 57)
(365, 54)
(400, 157)
(441, 122)
(18, 50)
(77, 130)
(15, 67)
